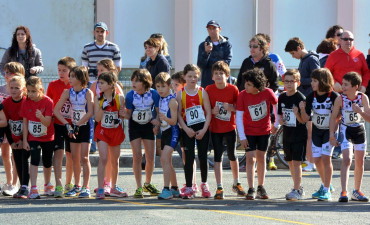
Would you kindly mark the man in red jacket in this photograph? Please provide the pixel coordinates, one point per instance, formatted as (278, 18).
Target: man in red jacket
(347, 59)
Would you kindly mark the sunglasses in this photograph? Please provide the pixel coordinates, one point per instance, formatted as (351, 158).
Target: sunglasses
(347, 39)
(254, 46)
(156, 35)
(290, 81)
(339, 34)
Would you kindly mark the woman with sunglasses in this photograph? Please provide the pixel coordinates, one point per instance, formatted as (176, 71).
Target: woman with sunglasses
(24, 51)
(334, 32)
(163, 49)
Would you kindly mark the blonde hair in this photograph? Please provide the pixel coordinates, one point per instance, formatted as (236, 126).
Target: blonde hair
(15, 67)
(20, 80)
(108, 64)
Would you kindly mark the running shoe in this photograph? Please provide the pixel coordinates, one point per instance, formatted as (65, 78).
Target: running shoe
(272, 165)
(139, 193)
(49, 189)
(182, 190)
(308, 168)
(22, 193)
(325, 196)
(58, 193)
(116, 192)
(100, 194)
(219, 193)
(5, 187)
(166, 194)
(332, 189)
(68, 187)
(107, 190)
(301, 191)
(85, 193)
(294, 195)
(343, 197)
(175, 193)
(205, 190)
(261, 193)
(195, 188)
(251, 194)
(188, 193)
(74, 192)
(34, 194)
(357, 195)
(238, 189)
(318, 193)
(11, 190)
(151, 189)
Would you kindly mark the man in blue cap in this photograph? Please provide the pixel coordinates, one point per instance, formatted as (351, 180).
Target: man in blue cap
(213, 49)
(100, 49)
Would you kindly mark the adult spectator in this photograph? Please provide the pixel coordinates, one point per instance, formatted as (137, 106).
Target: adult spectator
(100, 49)
(213, 49)
(164, 51)
(309, 61)
(327, 46)
(259, 59)
(23, 51)
(347, 59)
(334, 32)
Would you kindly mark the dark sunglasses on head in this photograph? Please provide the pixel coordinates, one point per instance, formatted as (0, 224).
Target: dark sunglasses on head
(339, 34)
(156, 35)
(347, 39)
(254, 46)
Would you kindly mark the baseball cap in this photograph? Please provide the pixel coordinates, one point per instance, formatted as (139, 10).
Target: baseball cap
(213, 23)
(101, 25)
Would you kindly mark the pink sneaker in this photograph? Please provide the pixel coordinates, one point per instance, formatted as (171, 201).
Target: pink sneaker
(205, 190)
(118, 192)
(49, 189)
(188, 193)
(182, 190)
(195, 188)
(107, 189)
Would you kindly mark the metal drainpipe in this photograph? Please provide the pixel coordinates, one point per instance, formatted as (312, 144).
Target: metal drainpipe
(255, 16)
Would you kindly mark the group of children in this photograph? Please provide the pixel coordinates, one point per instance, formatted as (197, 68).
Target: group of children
(186, 115)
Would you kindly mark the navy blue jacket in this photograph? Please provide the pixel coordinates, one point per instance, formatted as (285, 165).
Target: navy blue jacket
(160, 64)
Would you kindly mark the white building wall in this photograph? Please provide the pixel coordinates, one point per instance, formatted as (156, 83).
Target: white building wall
(362, 26)
(58, 28)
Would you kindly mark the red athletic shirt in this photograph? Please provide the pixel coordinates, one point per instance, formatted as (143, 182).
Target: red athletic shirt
(340, 63)
(219, 123)
(189, 101)
(12, 112)
(28, 111)
(258, 107)
(55, 90)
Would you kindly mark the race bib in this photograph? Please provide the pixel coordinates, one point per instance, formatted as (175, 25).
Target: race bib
(223, 114)
(194, 115)
(36, 129)
(289, 118)
(66, 110)
(142, 116)
(258, 112)
(321, 121)
(16, 127)
(108, 119)
(77, 114)
(350, 117)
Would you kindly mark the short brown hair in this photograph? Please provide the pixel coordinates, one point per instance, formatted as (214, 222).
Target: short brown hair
(68, 62)
(327, 46)
(221, 66)
(15, 67)
(354, 78)
(108, 64)
(191, 67)
(293, 72)
(265, 36)
(143, 75)
(261, 42)
(325, 78)
(35, 82)
(81, 74)
(293, 44)
(179, 76)
(163, 78)
(154, 42)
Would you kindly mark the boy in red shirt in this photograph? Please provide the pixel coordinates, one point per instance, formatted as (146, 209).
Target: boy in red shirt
(254, 126)
(223, 98)
(55, 90)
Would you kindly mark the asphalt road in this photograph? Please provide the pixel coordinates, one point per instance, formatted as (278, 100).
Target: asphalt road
(232, 210)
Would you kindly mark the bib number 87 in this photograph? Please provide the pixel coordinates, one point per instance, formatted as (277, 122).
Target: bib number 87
(320, 120)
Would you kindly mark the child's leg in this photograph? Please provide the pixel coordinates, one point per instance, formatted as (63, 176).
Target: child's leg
(250, 167)
(85, 148)
(25, 167)
(261, 166)
(149, 158)
(295, 168)
(189, 145)
(69, 167)
(115, 152)
(309, 142)
(18, 160)
(35, 152)
(218, 147)
(6, 155)
(47, 159)
(108, 167)
(58, 161)
(136, 160)
(344, 169)
(359, 168)
(231, 154)
(202, 156)
(166, 162)
(15, 173)
(76, 156)
(327, 170)
(320, 167)
(103, 158)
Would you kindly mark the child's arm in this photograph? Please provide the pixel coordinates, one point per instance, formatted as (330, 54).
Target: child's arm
(59, 105)
(3, 120)
(207, 109)
(304, 116)
(156, 122)
(90, 108)
(363, 113)
(173, 105)
(240, 128)
(99, 111)
(333, 121)
(297, 114)
(190, 132)
(45, 120)
(93, 88)
(26, 146)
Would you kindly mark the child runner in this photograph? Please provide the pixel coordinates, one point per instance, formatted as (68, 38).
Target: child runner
(254, 127)
(194, 117)
(10, 187)
(12, 107)
(354, 107)
(37, 112)
(223, 98)
(294, 130)
(139, 102)
(109, 132)
(168, 107)
(319, 105)
(106, 65)
(61, 139)
(82, 104)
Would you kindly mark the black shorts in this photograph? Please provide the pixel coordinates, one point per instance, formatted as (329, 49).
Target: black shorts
(146, 134)
(294, 150)
(61, 139)
(260, 142)
(170, 137)
(83, 136)
(47, 149)
(319, 136)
